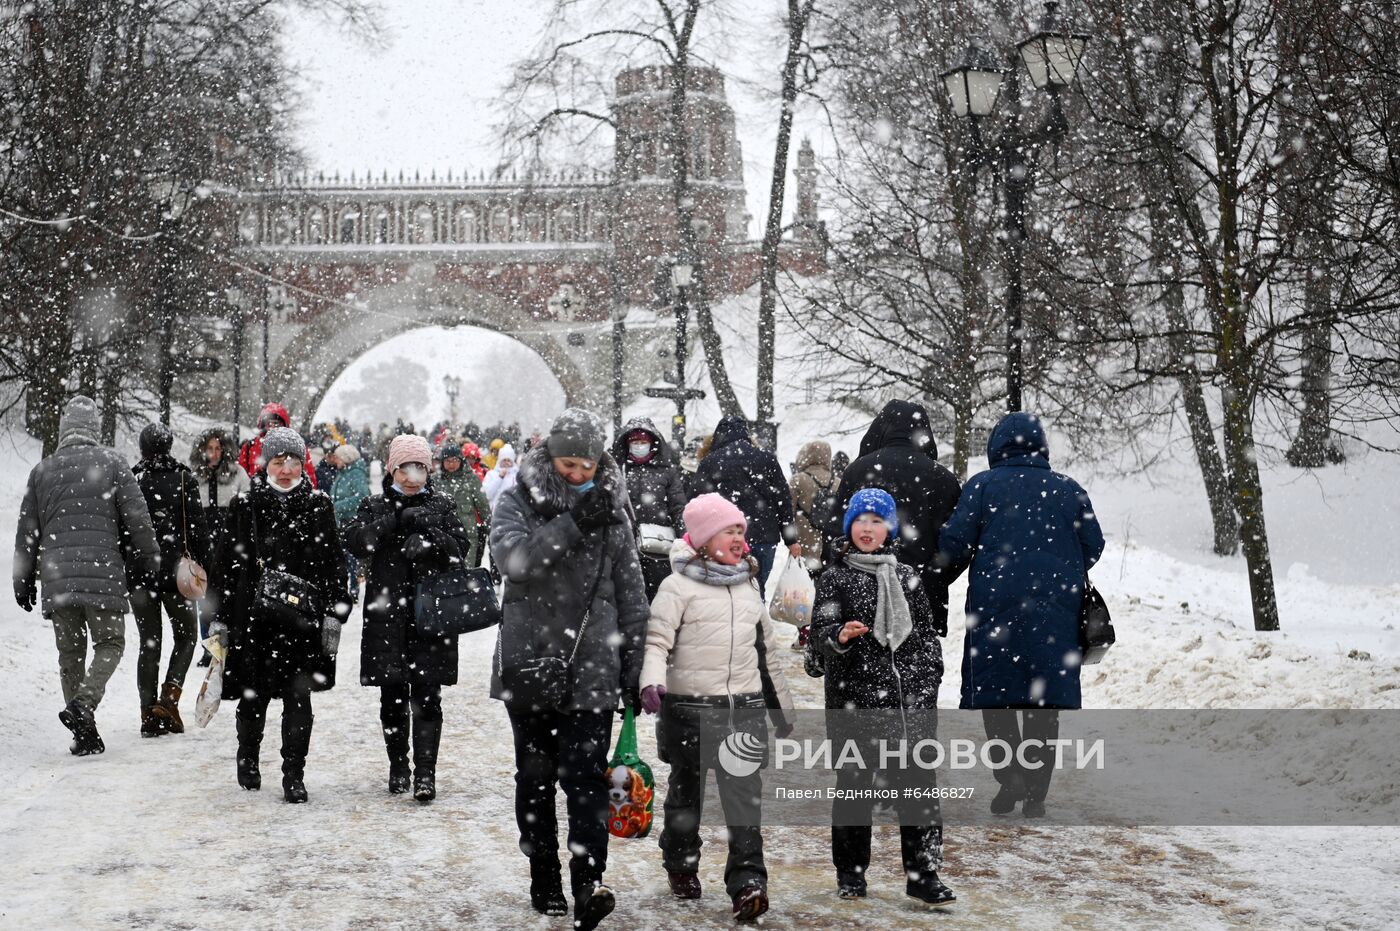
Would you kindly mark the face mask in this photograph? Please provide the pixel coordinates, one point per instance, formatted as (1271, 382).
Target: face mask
(584, 487)
(639, 450)
(278, 486)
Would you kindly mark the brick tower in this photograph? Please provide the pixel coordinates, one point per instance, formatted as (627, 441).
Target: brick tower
(644, 224)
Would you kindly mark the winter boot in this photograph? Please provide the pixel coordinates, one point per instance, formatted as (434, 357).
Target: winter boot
(592, 903)
(296, 741)
(803, 635)
(250, 734)
(750, 901)
(426, 736)
(1011, 791)
(850, 885)
(684, 885)
(396, 744)
(1034, 808)
(78, 719)
(153, 723)
(170, 705)
(929, 888)
(546, 886)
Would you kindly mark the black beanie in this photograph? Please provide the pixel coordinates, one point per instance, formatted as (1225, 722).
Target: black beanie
(577, 433)
(156, 440)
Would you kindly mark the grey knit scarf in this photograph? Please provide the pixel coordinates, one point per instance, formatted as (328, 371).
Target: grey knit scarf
(892, 621)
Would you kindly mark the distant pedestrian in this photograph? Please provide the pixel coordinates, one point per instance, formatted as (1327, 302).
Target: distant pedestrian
(657, 495)
(502, 476)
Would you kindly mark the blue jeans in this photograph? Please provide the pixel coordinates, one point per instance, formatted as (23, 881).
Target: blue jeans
(764, 553)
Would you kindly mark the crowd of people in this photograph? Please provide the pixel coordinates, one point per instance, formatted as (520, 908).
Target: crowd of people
(631, 578)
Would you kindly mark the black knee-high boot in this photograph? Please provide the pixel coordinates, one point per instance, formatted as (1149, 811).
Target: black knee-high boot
(394, 719)
(250, 734)
(296, 742)
(427, 733)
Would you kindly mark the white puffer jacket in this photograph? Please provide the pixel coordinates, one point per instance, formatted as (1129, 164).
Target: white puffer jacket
(704, 639)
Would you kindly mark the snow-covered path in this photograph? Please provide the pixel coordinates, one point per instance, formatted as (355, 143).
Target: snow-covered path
(157, 834)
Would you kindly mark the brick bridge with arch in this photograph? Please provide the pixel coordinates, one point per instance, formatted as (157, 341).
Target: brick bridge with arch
(336, 266)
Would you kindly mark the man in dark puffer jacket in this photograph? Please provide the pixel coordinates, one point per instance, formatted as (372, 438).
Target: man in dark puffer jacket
(81, 504)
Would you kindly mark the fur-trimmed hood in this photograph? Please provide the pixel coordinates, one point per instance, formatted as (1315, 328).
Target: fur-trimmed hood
(545, 490)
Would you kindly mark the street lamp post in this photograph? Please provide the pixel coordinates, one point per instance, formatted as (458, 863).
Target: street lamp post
(174, 199)
(235, 300)
(453, 385)
(1051, 57)
(681, 277)
(682, 274)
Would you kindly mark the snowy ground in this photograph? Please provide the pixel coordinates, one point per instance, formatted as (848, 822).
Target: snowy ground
(156, 834)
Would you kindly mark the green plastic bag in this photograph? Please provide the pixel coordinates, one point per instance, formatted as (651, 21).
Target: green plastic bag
(631, 786)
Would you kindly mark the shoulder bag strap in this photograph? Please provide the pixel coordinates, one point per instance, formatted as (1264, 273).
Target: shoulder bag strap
(588, 609)
(184, 519)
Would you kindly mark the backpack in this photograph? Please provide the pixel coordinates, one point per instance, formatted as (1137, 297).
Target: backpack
(826, 507)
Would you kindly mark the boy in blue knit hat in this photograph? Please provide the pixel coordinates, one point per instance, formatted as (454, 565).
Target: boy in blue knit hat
(875, 638)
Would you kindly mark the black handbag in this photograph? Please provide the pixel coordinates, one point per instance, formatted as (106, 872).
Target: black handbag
(456, 602)
(1095, 626)
(546, 682)
(288, 598)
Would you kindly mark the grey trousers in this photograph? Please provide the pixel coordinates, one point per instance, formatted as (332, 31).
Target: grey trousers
(71, 627)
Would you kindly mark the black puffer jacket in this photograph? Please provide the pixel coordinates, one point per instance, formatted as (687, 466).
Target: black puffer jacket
(297, 534)
(172, 498)
(752, 479)
(864, 674)
(654, 487)
(898, 454)
(390, 653)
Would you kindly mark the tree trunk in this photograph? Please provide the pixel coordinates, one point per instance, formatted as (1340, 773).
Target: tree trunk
(799, 13)
(1249, 501)
(1223, 518)
(1313, 447)
(684, 200)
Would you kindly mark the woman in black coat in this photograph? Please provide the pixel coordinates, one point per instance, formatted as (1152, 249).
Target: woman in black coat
(172, 497)
(403, 537)
(656, 492)
(879, 656)
(281, 524)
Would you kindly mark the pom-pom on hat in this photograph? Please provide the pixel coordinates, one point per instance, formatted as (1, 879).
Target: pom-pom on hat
(707, 515)
(875, 501)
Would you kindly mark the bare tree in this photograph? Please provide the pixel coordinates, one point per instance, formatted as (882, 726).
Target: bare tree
(567, 84)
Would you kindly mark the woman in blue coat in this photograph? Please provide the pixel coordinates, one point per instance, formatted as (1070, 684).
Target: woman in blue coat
(1030, 537)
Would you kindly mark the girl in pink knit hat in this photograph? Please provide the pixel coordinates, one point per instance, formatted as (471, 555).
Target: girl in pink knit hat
(710, 644)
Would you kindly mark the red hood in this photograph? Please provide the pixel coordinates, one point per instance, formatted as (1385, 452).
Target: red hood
(272, 407)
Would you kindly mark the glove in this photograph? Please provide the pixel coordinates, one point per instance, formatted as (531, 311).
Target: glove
(219, 631)
(630, 700)
(26, 593)
(593, 511)
(418, 519)
(652, 696)
(415, 547)
(330, 636)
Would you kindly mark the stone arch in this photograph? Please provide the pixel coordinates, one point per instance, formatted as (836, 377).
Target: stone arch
(304, 371)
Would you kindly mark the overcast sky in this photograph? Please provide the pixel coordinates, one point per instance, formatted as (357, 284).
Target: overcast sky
(423, 100)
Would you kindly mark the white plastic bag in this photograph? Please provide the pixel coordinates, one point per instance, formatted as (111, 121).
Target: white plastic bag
(212, 691)
(793, 595)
